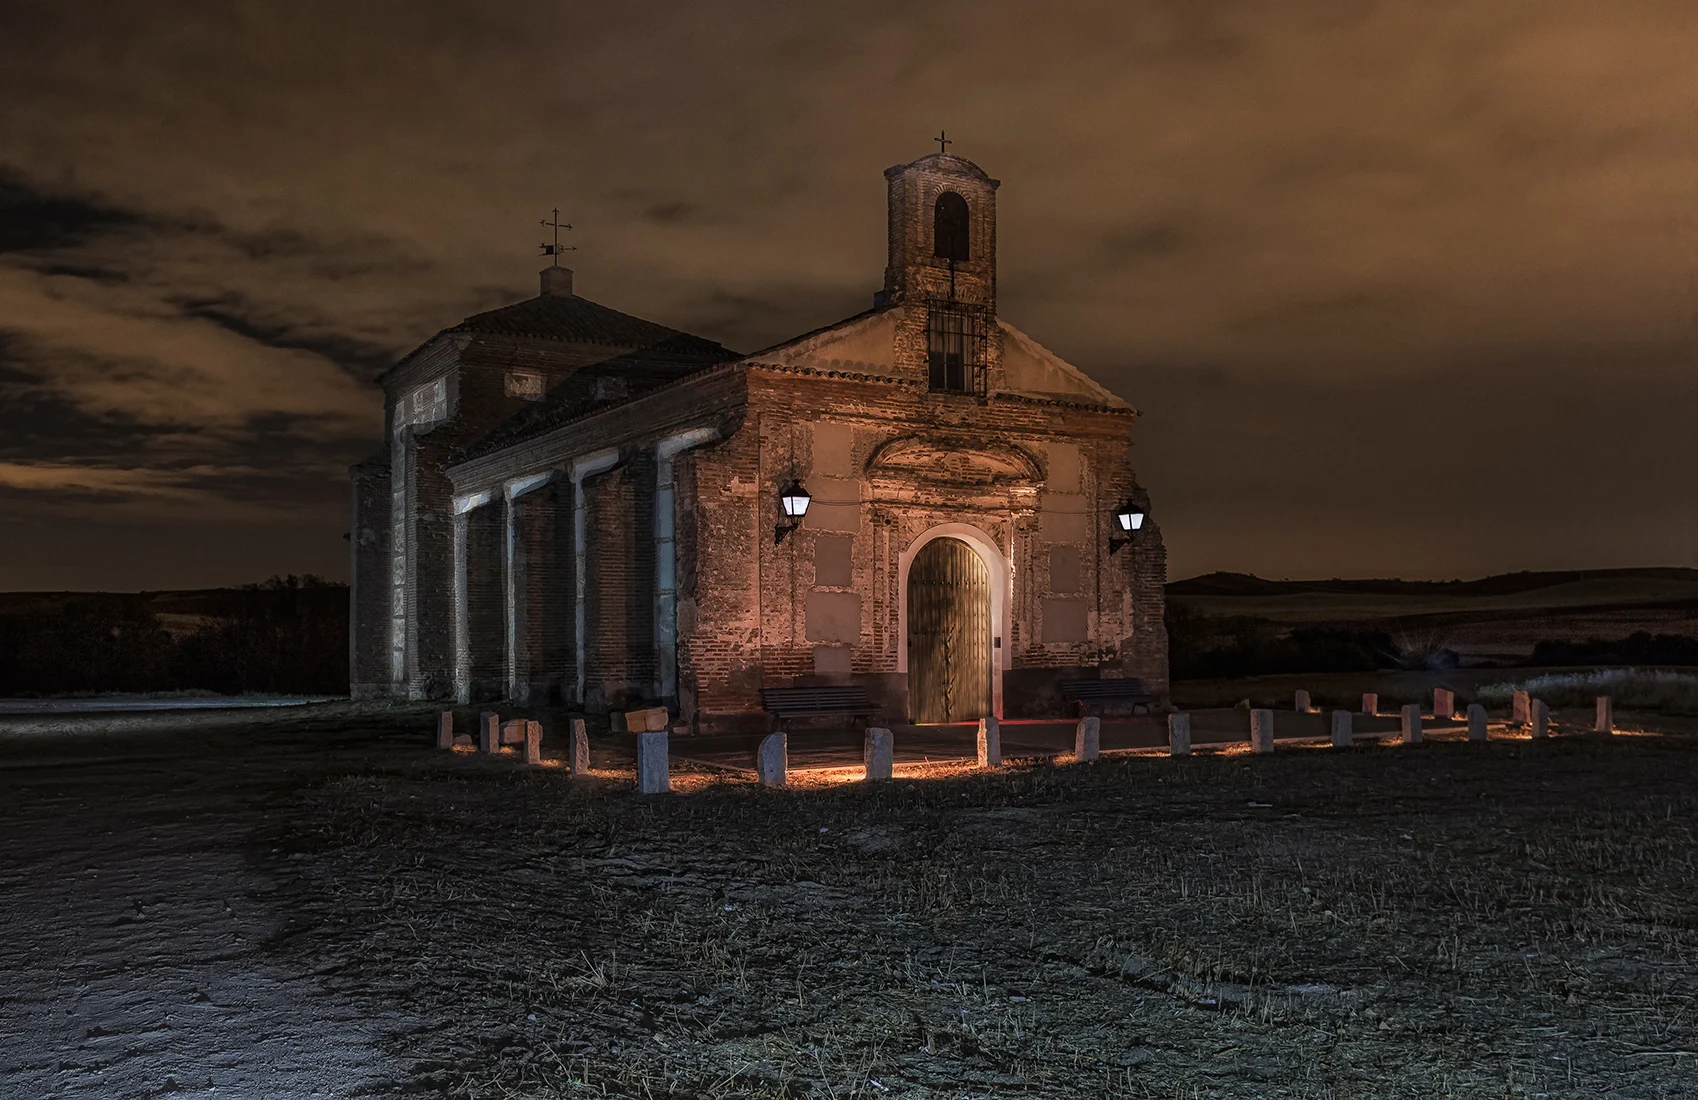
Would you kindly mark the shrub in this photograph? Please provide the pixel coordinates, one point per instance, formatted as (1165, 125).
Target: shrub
(1632, 688)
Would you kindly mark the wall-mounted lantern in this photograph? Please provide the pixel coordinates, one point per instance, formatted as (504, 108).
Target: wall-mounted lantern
(1127, 518)
(794, 501)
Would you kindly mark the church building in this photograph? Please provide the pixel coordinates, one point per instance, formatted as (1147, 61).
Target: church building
(576, 506)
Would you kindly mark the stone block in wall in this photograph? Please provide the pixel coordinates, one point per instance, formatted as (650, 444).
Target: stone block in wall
(1063, 473)
(1066, 620)
(834, 449)
(1066, 570)
(833, 617)
(836, 504)
(834, 565)
(832, 661)
(1063, 518)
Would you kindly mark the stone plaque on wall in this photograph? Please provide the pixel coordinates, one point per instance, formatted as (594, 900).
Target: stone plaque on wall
(834, 617)
(1066, 570)
(834, 446)
(524, 384)
(833, 561)
(1063, 468)
(1066, 620)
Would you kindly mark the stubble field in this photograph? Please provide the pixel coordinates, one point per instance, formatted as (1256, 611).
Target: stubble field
(1446, 920)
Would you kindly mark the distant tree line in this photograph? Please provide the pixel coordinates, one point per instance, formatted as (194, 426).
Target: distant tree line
(1202, 647)
(288, 635)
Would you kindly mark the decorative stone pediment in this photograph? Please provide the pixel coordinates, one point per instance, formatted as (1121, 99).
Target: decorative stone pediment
(953, 461)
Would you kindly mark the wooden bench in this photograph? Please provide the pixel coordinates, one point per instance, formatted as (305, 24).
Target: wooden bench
(813, 702)
(1088, 693)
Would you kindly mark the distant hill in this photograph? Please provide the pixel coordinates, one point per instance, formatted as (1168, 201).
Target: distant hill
(1504, 619)
(1500, 584)
(284, 635)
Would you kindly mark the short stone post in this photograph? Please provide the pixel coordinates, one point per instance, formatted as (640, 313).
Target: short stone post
(1605, 722)
(1087, 738)
(1541, 719)
(1444, 703)
(1343, 733)
(1179, 735)
(1412, 724)
(1476, 722)
(654, 772)
(1303, 706)
(878, 754)
(1520, 711)
(990, 743)
(533, 742)
(1370, 703)
(1261, 731)
(445, 730)
(578, 751)
(772, 759)
(489, 732)
(513, 731)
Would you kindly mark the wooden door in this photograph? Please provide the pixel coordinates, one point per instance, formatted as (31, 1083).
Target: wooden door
(949, 634)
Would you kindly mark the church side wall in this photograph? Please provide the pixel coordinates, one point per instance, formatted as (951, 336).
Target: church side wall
(369, 593)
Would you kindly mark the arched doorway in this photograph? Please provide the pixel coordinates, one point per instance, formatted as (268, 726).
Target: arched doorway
(949, 633)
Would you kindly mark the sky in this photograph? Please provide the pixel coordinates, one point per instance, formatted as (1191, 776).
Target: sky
(1399, 289)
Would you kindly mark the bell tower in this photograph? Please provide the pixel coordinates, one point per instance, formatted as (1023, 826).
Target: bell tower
(942, 232)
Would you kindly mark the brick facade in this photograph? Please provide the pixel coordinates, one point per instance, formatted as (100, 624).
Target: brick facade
(635, 505)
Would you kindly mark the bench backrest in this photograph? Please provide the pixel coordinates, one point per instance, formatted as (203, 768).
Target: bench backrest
(1101, 689)
(819, 700)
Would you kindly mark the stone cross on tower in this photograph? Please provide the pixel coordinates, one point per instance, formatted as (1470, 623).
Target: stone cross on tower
(556, 248)
(942, 141)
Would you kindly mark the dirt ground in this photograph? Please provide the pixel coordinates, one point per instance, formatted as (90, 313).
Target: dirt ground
(316, 903)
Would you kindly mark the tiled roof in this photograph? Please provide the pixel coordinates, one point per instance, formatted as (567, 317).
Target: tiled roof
(578, 320)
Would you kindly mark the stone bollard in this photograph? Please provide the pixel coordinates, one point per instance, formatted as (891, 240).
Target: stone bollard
(489, 732)
(1540, 719)
(772, 759)
(1412, 724)
(1343, 735)
(513, 731)
(1370, 703)
(1520, 712)
(1087, 739)
(1444, 704)
(878, 754)
(578, 752)
(1261, 731)
(445, 730)
(533, 742)
(1476, 722)
(1179, 735)
(1303, 706)
(1605, 722)
(654, 772)
(990, 743)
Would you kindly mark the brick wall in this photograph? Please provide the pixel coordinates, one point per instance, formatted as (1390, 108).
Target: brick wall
(543, 594)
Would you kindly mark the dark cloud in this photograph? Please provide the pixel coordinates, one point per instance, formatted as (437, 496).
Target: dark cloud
(1391, 284)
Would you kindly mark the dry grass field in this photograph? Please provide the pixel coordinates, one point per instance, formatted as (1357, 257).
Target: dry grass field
(1446, 920)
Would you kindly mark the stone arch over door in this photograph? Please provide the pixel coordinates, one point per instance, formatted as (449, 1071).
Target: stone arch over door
(996, 565)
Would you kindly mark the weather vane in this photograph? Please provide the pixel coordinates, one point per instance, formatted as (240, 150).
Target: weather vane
(556, 248)
(942, 141)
